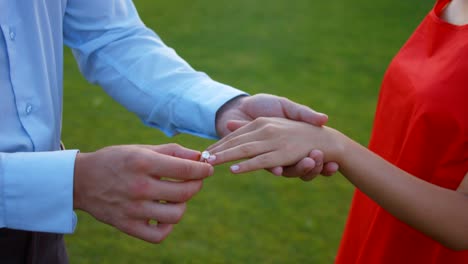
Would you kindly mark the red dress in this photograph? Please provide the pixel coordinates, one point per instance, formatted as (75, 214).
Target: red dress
(421, 126)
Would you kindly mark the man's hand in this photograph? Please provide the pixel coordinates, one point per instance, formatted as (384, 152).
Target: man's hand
(129, 187)
(248, 108)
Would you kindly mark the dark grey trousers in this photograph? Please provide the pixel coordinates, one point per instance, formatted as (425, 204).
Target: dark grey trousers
(23, 247)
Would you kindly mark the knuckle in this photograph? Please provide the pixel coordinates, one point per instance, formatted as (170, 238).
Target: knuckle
(246, 150)
(261, 120)
(263, 160)
(132, 209)
(269, 129)
(283, 100)
(136, 162)
(139, 188)
(230, 144)
(173, 146)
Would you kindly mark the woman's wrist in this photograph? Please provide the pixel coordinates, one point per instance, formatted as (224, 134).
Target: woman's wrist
(337, 146)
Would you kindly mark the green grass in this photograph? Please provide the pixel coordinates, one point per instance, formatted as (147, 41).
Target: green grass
(328, 55)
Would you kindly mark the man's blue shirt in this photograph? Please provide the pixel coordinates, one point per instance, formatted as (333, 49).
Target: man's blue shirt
(114, 49)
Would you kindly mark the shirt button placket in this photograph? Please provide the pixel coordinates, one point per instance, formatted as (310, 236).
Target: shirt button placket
(12, 34)
(28, 109)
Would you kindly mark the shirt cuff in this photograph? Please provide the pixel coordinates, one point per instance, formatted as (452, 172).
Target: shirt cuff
(194, 111)
(36, 191)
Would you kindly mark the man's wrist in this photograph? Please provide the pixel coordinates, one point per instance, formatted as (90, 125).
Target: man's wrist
(80, 165)
(220, 123)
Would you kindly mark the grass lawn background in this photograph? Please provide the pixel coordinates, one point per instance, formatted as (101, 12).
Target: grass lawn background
(328, 55)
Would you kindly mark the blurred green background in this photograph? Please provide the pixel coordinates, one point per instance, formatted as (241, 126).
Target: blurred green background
(328, 55)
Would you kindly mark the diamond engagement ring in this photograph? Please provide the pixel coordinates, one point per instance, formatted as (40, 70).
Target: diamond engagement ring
(205, 155)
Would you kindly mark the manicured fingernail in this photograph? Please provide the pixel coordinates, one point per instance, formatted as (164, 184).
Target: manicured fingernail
(211, 158)
(235, 168)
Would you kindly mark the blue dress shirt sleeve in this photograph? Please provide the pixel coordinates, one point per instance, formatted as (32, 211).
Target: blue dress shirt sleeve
(117, 51)
(26, 200)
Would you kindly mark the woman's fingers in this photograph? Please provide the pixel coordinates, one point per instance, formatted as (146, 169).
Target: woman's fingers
(241, 146)
(240, 131)
(242, 151)
(263, 161)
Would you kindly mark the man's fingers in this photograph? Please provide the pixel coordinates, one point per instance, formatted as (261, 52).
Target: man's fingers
(168, 213)
(153, 233)
(317, 169)
(302, 168)
(176, 168)
(308, 167)
(330, 168)
(233, 125)
(170, 191)
(317, 156)
(175, 150)
(277, 171)
(302, 113)
(326, 169)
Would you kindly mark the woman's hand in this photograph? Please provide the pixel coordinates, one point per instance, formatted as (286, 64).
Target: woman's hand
(272, 142)
(249, 108)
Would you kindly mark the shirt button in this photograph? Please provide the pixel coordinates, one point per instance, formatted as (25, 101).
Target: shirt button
(12, 34)
(28, 109)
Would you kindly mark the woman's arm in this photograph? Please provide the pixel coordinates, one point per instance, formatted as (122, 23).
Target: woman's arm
(438, 212)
